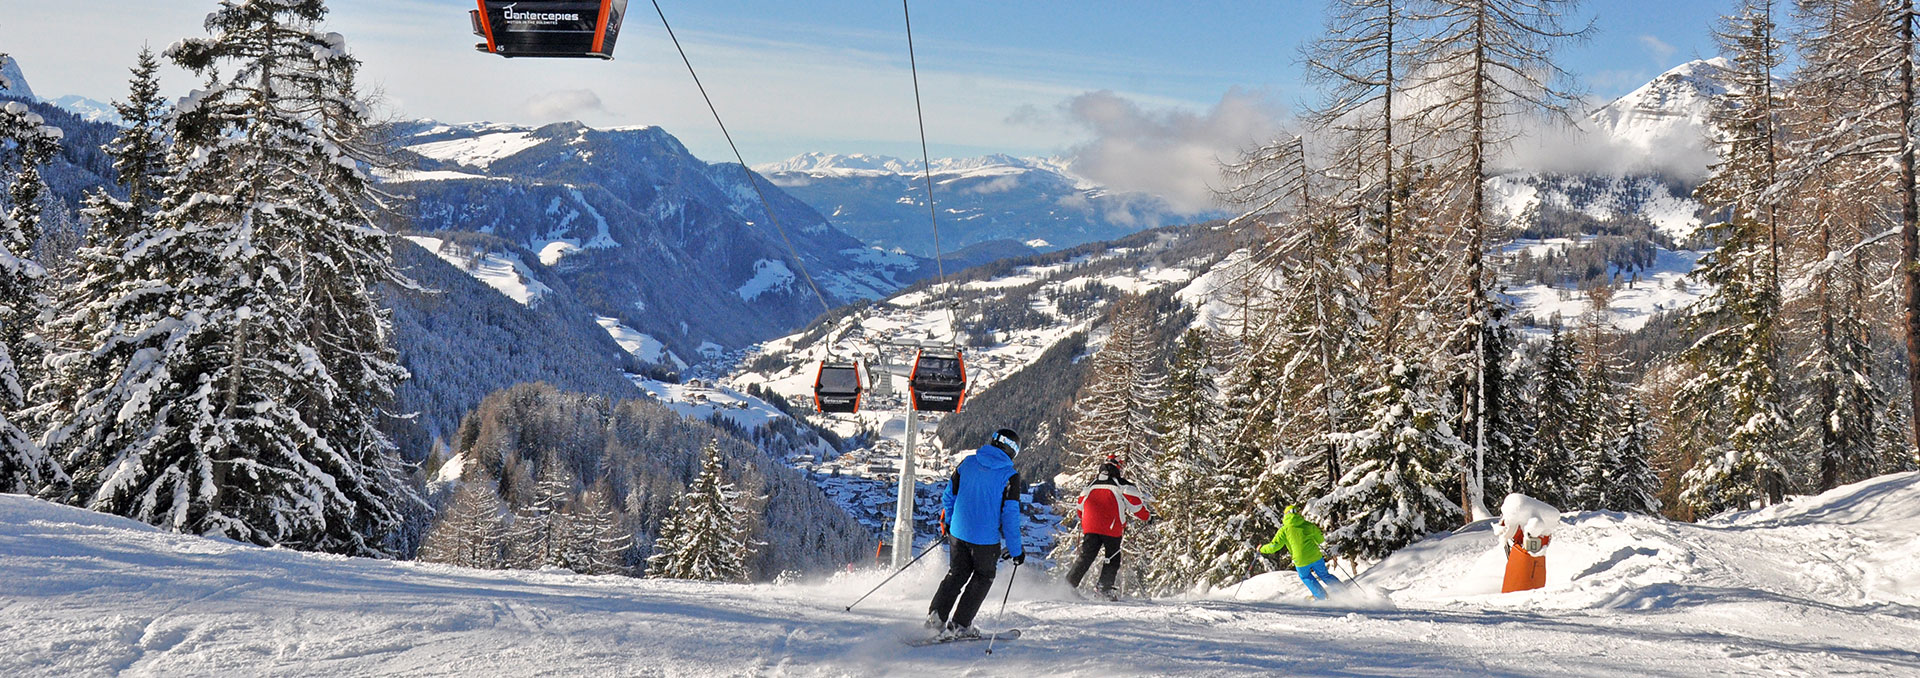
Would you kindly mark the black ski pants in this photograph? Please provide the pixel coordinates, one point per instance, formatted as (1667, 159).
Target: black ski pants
(969, 576)
(1091, 545)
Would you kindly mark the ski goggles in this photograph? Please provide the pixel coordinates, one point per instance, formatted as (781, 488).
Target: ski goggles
(1012, 446)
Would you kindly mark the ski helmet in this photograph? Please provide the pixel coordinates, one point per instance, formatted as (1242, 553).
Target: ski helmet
(1006, 439)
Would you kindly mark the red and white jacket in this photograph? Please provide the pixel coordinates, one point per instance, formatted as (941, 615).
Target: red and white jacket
(1100, 507)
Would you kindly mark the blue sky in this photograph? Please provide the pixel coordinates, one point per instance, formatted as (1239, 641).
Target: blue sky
(790, 77)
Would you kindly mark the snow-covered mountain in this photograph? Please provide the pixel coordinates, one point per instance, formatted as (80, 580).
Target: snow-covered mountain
(13, 83)
(89, 110)
(1667, 116)
(1817, 586)
(882, 200)
(674, 249)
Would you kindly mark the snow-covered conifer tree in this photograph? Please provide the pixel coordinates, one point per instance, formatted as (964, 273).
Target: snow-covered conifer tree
(1561, 441)
(245, 420)
(540, 535)
(1841, 125)
(1478, 70)
(111, 319)
(26, 142)
(1395, 488)
(706, 535)
(1189, 421)
(598, 544)
(1737, 423)
(472, 530)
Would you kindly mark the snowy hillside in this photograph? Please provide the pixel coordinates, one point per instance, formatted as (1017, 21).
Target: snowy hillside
(672, 247)
(1818, 586)
(882, 200)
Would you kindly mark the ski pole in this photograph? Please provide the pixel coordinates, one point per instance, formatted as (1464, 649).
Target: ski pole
(1002, 616)
(1243, 581)
(896, 573)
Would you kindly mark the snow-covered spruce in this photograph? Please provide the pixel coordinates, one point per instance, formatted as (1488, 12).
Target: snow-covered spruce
(249, 408)
(1394, 490)
(706, 535)
(26, 143)
(1737, 425)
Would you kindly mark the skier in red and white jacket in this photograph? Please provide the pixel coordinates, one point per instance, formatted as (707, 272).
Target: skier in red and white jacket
(1104, 508)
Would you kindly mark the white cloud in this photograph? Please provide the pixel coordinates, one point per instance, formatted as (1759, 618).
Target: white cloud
(1657, 48)
(1170, 152)
(563, 105)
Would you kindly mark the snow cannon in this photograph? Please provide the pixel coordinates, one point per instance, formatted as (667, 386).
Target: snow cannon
(1525, 529)
(548, 28)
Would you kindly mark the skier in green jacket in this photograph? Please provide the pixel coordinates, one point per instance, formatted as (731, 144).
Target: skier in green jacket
(1302, 539)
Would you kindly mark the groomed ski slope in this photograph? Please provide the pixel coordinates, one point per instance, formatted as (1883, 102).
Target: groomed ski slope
(1821, 586)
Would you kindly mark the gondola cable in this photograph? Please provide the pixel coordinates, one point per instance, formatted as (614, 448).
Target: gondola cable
(937, 383)
(764, 204)
(926, 172)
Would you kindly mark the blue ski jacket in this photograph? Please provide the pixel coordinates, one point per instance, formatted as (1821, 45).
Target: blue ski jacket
(982, 501)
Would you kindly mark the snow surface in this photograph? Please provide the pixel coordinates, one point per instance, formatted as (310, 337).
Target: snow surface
(503, 272)
(642, 346)
(1662, 288)
(478, 151)
(768, 275)
(1821, 586)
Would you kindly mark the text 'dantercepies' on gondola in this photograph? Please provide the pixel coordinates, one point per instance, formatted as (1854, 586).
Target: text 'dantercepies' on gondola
(938, 381)
(548, 28)
(837, 387)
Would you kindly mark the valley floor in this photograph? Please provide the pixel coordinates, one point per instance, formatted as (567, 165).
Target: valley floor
(1822, 586)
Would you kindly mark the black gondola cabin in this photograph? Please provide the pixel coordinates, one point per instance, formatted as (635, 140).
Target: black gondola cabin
(837, 388)
(548, 28)
(938, 381)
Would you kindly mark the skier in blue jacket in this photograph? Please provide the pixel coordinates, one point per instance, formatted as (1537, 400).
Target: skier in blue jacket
(982, 510)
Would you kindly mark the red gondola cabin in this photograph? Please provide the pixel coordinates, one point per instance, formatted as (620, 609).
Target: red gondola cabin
(938, 381)
(837, 388)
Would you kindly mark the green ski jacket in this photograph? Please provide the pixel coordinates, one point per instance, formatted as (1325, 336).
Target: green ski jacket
(1298, 537)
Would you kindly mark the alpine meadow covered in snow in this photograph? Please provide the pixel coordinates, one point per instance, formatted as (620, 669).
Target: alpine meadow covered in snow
(1452, 369)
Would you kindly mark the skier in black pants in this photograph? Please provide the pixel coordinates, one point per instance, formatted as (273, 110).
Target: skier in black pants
(1104, 508)
(982, 510)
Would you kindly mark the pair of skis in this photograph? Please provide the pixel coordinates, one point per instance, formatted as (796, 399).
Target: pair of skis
(1008, 634)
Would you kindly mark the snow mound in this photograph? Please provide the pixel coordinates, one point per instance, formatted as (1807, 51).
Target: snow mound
(1850, 549)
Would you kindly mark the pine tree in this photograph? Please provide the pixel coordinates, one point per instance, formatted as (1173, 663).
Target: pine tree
(26, 143)
(1562, 437)
(706, 536)
(1395, 490)
(1114, 414)
(540, 534)
(472, 531)
(112, 318)
(1631, 483)
(247, 421)
(597, 544)
(1189, 418)
(1737, 422)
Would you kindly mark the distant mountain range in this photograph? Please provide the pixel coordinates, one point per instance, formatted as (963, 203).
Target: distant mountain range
(1039, 202)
